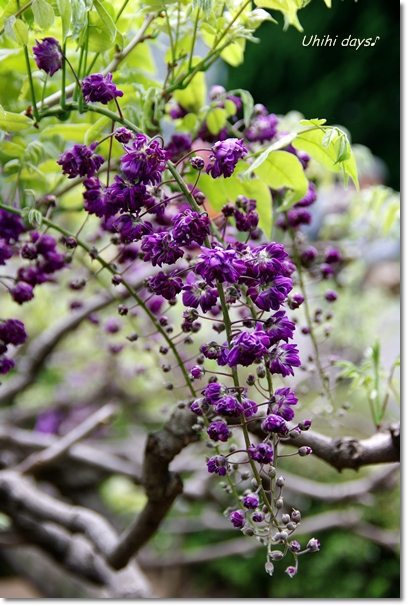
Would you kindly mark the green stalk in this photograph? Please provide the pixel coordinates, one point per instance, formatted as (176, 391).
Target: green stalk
(30, 78)
(227, 323)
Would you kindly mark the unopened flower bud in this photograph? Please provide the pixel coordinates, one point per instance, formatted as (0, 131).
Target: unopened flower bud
(269, 568)
(276, 555)
(285, 518)
(169, 386)
(280, 482)
(132, 337)
(261, 372)
(123, 310)
(291, 526)
(116, 280)
(248, 532)
(294, 546)
(197, 162)
(305, 425)
(296, 516)
(291, 571)
(279, 503)
(313, 545)
(304, 451)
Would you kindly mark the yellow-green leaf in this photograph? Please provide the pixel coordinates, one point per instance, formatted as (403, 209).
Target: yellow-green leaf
(70, 132)
(43, 13)
(64, 7)
(234, 53)
(283, 169)
(216, 120)
(192, 98)
(11, 122)
(16, 30)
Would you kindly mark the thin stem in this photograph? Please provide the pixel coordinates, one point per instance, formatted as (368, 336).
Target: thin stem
(30, 78)
(231, 23)
(309, 320)
(194, 39)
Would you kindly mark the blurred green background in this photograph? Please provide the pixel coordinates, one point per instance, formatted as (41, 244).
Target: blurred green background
(358, 89)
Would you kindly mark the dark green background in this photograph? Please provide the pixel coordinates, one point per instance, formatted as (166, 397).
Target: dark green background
(358, 89)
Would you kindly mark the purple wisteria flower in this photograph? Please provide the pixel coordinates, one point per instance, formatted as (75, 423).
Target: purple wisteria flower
(123, 135)
(295, 301)
(80, 161)
(279, 328)
(217, 465)
(224, 157)
(283, 358)
(218, 431)
(144, 160)
(248, 347)
(159, 248)
(326, 271)
(219, 264)
(294, 546)
(250, 407)
(284, 400)
(229, 406)
(165, 285)
(11, 227)
(332, 255)
(6, 252)
(48, 55)
(275, 424)
(198, 294)
(213, 392)
(330, 295)
(238, 519)
(308, 255)
(263, 453)
(178, 146)
(189, 227)
(262, 128)
(6, 364)
(272, 295)
(313, 545)
(127, 197)
(99, 88)
(250, 501)
(12, 332)
(22, 293)
(94, 197)
(309, 198)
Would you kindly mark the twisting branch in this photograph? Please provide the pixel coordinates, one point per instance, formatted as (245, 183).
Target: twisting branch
(348, 453)
(55, 98)
(76, 537)
(162, 486)
(29, 366)
(55, 451)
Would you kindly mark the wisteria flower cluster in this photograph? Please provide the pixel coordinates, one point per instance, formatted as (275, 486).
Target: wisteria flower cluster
(231, 279)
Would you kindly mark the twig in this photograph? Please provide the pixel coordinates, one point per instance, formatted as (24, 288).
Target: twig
(54, 452)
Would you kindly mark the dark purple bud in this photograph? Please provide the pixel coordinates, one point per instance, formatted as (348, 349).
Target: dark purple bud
(22, 293)
(257, 516)
(280, 482)
(291, 571)
(295, 301)
(237, 519)
(123, 135)
(305, 425)
(326, 270)
(276, 555)
(250, 501)
(332, 255)
(99, 88)
(294, 546)
(275, 424)
(296, 516)
(6, 364)
(330, 295)
(197, 163)
(123, 310)
(12, 332)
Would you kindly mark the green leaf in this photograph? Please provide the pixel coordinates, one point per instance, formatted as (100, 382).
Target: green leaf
(12, 149)
(106, 18)
(64, 8)
(16, 30)
(192, 98)
(283, 169)
(70, 132)
(234, 53)
(205, 5)
(289, 9)
(11, 122)
(216, 120)
(79, 18)
(230, 107)
(93, 133)
(282, 142)
(10, 9)
(35, 217)
(313, 122)
(330, 156)
(43, 13)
